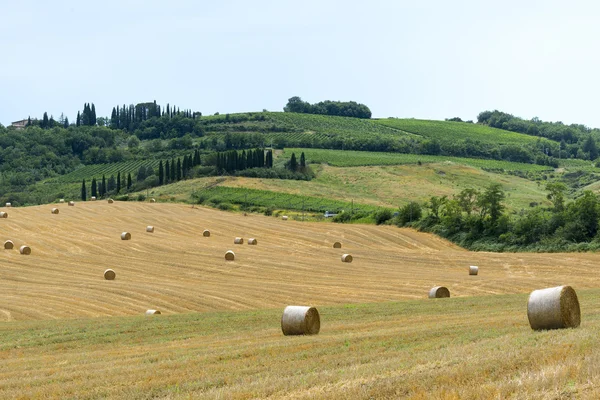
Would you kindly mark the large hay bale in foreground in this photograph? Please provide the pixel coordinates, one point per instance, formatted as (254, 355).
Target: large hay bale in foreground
(252, 241)
(150, 229)
(337, 245)
(300, 320)
(438, 292)
(347, 258)
(152, 312)
(109, 275)
(93, 198)
(8, 245)
(8, 205)
(125, 236)
(71, 203)
(3, 214)
(25, 250)
(553, 308)
(55, 210)
(61, 200)
(238, 240)
(206, 233)
(229, 255)
(285, 217)
(473, 270)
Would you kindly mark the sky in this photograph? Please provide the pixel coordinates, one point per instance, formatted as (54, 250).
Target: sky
(409, 59)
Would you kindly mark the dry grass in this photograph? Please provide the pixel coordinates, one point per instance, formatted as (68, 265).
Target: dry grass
(220, 335)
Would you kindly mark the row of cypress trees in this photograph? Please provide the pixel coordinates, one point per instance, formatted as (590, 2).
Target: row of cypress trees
(234, 160)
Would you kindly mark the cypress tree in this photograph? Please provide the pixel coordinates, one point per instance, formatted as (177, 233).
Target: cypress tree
(103, 190)
(118, 181)
(293, 162)
(196, 157)
(167, 172)
(93, 115)
(173, 172)
(112, 183)
(45, 121)
(178, 169)
(249, 159)
(161, 173)
(83, 191)
(129, 181)
(66, 123)
(302, 161)
(243, 160)
(78, 120)
(29, 121)
(94, 188)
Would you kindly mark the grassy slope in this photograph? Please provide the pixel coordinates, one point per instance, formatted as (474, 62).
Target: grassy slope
(477, 347)
(446, 130)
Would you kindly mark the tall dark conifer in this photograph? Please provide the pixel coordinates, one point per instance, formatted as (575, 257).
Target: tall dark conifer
(167, 172)
(83, 191)
(118, 181)
(129, 181)
(161, 173)
(94, 188)
(103, 190)
(173, 172)
(178, 169)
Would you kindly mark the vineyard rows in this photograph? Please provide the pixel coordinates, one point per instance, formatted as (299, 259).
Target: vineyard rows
(345, 158)
(97, 170)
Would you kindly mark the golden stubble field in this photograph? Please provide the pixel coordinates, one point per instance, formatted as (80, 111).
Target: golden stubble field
(68, 333)
(177, 270)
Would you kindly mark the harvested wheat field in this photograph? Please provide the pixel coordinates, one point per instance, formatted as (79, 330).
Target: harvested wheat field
(69, 333)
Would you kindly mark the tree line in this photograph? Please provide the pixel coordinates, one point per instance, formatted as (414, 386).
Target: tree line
(338, 108)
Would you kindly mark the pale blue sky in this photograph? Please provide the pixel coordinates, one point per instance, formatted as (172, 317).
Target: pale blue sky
(422, 59)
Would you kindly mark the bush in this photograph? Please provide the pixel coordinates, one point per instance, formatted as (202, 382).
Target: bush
(382, 215)
(225, 206)
(141, 197)
(409, 213)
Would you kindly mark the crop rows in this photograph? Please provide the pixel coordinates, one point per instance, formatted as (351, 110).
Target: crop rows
(97, 170)
(339, 158)
(275, 200)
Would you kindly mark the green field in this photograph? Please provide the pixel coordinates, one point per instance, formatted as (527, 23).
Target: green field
(450, 131)
(363, 158)
(97, 170)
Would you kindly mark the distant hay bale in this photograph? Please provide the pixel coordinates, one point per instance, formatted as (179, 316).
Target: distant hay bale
(8, 245)
(438, 292)
(3, 214)
(26, 250)
(152, 200)
(109, 275)
(285, 217)
(553, 308)
(347, 258)
(125, 236)
(152, 312)
(110, 201)
(71, 203)
(252, 241)
(473, 270)
(337, 245)
(238, 240)
(61, 200)
(300, 320)
(230, 255)
(55, 210)
(206, 233)
(8, 205)
(150, 229)
(93, 198)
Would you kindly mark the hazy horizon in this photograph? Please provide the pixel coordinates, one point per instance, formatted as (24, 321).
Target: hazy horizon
(431, 60)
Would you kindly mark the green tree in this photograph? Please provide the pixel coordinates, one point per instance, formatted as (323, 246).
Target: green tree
(410, 213)
(467, 200)
(161, 173)
(173, 172)
(178, 169)
(118, 181)
(45, 122)
(129, 183)
(66, 123)
(94, 188)
(490, 203)
(293, 163)
(83, 191)
(168, 172)
(112, 183)
(302, 161)
(557, 195)
(103, 190)
(589, 146)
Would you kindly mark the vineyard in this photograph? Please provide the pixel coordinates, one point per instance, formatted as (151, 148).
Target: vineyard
(275, 200)
(339, 158)
(97, 170)
(445, 131)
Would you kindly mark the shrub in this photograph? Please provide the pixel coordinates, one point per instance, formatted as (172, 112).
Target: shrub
(382, 216)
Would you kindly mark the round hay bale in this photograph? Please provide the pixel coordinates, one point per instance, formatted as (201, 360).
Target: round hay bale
(150, 229)
(8, 245)
(238, 240)
(61, 200)
(206, 233)
(252, 241)
(3, 214)
(337, 245)
(473, 270)
(347, 258)
(285, 217)
(26, 250)
(110, 201)
(553, 308)
(71, 203)
(230, 255)
(300, 320)
(55, 210)
(93, 198)
(110, 275)
(153, 200)
(152, 312)
(8, 205)
(439, 292)
(125, 236)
